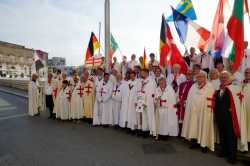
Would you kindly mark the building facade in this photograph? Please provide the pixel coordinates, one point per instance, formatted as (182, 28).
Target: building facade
(15, 60)
(56, 63)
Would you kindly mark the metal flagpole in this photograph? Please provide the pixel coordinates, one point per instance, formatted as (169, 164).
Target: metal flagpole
(100, 25)
(107, 34)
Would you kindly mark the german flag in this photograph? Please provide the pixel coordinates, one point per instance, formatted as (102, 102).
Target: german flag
(163, 42)
(93, 45)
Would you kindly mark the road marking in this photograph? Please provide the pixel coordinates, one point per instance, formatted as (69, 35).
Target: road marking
(2, 109)
(13, 116)
(4, 103)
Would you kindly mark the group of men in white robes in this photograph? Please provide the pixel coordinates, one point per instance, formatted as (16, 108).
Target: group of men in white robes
(66, 98)
(150, 102)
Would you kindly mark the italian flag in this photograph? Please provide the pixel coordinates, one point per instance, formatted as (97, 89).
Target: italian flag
(235, 28)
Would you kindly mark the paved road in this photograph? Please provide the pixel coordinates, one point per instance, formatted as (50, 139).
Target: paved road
(37, 141)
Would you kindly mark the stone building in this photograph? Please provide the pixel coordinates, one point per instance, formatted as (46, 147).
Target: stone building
(15, 60)
(56, 63)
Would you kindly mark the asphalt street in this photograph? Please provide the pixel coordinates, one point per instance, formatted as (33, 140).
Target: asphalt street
(38, 141)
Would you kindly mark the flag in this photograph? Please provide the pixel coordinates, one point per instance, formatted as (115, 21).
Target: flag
(169, 53)
(181, 24)
(199, 38)
(144, 65)
(164, 47)
(190, 33)
(93, 45)
(247, 8)
(39, 59)
(94, 61)
(113, 46)
(174, 55)
(186, 8)
(235, 28)
(217, 37)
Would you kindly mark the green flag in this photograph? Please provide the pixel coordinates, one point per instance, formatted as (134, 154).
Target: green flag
(113, 45)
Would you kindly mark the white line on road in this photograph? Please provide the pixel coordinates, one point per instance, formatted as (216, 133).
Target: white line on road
(13, 116)
(7, 108)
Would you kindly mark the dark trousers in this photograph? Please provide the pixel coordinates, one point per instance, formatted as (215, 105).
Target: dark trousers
(228, 140)
(50, 104)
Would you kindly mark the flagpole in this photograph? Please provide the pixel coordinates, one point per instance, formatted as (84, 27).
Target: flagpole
(107, 34)
(100, 25)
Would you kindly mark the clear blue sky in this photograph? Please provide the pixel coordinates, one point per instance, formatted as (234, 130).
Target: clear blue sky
(62, 27)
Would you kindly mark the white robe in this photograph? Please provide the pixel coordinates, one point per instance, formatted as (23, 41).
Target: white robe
(103, 105)
(123, 114)
(246, 92)
(62, 105)
(166, 117)
(116, 102)
(241, 115)
(199, 117)
(33, 99)
(97, 81)
(76, 103)
(146, 119)
(130, 107)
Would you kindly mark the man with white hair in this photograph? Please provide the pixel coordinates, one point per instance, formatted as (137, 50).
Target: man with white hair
(246, 93)
(176, 78)
(229, 117)
(198, 124)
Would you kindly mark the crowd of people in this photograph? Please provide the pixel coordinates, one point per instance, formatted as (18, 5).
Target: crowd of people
(207, 105)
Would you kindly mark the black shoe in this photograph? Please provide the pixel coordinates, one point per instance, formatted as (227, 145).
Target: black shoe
(194, 145)
(204, 150)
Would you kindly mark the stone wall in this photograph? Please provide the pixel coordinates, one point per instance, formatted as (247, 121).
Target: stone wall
(18, 84)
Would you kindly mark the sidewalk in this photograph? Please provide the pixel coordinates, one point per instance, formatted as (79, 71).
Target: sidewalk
(13, 91)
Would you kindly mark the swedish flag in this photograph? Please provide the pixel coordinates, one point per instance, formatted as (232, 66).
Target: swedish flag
(186, 8)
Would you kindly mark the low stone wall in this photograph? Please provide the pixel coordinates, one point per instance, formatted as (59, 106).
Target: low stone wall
(18, 84)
